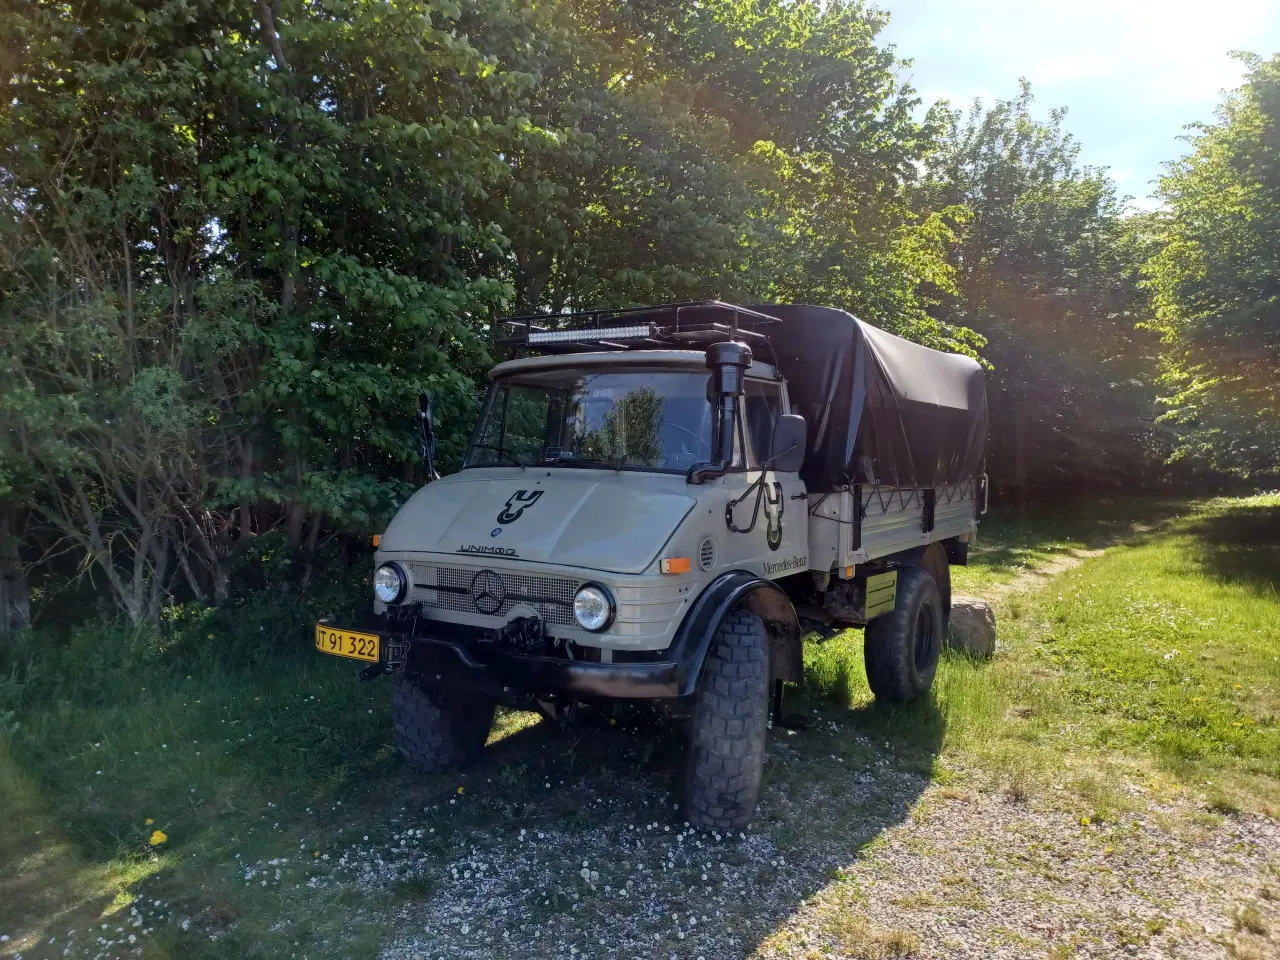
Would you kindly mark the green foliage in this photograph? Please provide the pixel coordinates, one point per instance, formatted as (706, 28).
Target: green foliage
(1046, 266)
(1215, 281)
(237, 241)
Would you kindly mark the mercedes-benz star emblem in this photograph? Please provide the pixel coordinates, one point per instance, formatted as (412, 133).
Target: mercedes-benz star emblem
(488, 593)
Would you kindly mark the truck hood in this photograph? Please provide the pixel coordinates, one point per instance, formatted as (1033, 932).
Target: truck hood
(607, 521)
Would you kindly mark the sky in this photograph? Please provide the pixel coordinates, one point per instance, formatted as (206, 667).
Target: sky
(1132, 73)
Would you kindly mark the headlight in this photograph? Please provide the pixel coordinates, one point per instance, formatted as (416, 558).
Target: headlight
(389, 583)
(593, 607)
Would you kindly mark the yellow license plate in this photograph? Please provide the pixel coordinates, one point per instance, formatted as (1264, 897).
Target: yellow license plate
(347, 643)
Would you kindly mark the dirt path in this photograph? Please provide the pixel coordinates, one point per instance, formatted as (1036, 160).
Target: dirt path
(1037, 576)
(982, 875)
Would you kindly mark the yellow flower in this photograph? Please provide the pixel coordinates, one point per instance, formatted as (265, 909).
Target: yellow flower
(1084, 821)
(462, 789)
(316, 853)
(149, 821)
(211, 636)
(1238, 687)
(158, 838)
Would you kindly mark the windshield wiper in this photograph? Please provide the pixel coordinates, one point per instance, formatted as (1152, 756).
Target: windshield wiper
(502, 453)
(571, 461)
(592, 462)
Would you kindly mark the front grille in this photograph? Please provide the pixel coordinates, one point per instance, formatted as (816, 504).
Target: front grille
(449, 588)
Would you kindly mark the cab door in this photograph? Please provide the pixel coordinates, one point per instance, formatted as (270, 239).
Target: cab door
(768, 514)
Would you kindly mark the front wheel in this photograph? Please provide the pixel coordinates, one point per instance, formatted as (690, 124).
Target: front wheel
(901, 648)
(730, 725)
(438, 731)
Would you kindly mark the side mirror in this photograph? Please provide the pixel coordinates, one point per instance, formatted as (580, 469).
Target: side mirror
(427, 444)
(790, 434)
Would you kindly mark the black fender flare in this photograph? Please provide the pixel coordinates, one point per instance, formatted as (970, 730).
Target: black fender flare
(764, 598)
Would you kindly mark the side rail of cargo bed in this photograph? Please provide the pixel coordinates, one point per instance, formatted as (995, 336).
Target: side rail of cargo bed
(866, 521)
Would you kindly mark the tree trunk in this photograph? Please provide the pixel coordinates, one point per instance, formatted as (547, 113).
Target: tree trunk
(15, 603)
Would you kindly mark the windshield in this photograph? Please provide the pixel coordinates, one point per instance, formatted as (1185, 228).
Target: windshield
(643, 419)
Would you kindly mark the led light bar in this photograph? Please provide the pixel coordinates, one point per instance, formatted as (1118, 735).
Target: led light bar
(634, 332)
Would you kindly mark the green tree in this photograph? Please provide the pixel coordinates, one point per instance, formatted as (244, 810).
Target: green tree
(1047, 270)
(824, 134)
(1215, 280)
(237, 242)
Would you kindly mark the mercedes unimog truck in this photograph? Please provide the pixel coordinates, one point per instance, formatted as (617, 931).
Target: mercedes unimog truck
(662, 503)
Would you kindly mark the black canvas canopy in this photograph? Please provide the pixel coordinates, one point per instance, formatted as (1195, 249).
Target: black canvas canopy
(880, 409)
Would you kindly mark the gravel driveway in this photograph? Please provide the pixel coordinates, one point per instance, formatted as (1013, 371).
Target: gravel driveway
(857, 857)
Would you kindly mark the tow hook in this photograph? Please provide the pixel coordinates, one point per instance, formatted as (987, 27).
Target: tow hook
(562, 712)
(524, 633)
(372, 672)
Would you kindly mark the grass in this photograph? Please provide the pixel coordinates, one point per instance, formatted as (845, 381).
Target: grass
(1153, 665)
(1156, 661)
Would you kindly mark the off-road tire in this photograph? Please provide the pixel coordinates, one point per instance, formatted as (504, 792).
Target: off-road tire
(438, 732)
(730, 726)
(901, 649)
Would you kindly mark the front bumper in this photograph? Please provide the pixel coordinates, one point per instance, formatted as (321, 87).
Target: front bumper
(455, 657)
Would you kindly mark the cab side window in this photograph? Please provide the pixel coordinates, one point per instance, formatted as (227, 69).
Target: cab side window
(762, 405)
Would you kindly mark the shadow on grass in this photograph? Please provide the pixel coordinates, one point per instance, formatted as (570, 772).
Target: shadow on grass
(829, 792)
(1240, 546)
(596, 787)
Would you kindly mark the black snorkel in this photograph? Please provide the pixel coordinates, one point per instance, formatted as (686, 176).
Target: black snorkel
(728, 363)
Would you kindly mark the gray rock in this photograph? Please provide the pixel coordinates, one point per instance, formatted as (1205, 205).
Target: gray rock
(973, 626)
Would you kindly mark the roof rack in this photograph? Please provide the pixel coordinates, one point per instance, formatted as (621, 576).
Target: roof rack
(697, 323)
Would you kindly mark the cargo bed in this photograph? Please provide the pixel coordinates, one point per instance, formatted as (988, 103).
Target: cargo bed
(863, 523)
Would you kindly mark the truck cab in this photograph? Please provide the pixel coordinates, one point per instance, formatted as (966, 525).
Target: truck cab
(578, 472)
(630, 521)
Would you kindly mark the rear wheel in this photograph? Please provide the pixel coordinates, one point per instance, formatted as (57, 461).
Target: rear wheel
(730, 721)
(901, 648)
(438, 731)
